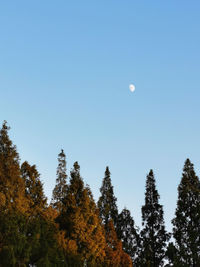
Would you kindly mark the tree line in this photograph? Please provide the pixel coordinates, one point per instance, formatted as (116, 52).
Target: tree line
(72, 230)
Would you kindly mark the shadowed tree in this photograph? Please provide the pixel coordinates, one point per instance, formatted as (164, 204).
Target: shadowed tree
(186, 224)
(60, 189)
(107, 203)
(153, 234)
(128, 234)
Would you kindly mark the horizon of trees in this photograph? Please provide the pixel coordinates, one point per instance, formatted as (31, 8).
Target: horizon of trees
(73, 230)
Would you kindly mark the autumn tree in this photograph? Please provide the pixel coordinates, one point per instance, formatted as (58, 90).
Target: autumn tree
(115, 255)
(80, 219)
(128, 233)
(11, 184)
(186, 224)
(107, 202)
(14, 248)
(153, 234)
(41, 228)
(60, 189)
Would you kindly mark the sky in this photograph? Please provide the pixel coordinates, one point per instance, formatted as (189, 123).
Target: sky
(65, 70)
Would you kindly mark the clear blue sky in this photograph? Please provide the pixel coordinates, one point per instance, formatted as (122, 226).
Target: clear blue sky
(65, 68)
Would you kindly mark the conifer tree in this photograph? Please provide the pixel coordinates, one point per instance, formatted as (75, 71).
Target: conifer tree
(115, 256)
(14, 248)
(41, 229)
(153, 234)
(186, 224)
(60, 189)
(34, 188)
(128, 234)
(80, 219)
(12, 186)
(107, 203)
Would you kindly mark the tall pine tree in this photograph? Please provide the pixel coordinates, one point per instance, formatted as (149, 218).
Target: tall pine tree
(60, 189)
(186, 224)
(107, 202)
(153, 234)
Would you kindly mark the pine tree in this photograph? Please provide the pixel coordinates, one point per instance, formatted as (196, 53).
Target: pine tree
(79, 219)
(60, 189)
(107, 203)
(186, 224)
(128, 234)
(153, 234)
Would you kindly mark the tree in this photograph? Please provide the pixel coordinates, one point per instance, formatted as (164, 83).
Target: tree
(107, 203)
(14, 248)
(60, 189)
(153, 234)
(127, 233)
(41, 229)
(79, 219)
(115, 256)
(33, 188)
(186, 224)
(12, 186)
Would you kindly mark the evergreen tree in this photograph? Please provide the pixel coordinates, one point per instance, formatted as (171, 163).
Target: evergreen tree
(41, 229)
(33, 188)
(107, 203)
(12, 186)
(80, 219)
(128, 234)
(153, 234)
(115, 256)
(60, 189)
(186, 224)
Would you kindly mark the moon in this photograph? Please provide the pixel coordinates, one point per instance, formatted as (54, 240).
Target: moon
(132, 87)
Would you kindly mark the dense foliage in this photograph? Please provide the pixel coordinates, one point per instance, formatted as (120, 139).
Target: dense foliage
(73, 230)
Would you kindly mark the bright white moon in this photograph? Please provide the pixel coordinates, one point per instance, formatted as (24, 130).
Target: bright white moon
(132, 87)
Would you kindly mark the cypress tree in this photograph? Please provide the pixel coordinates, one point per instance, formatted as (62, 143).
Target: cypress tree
(128, 234)
(186, 224)
(107, 202)
(60, 189)
(153, 234)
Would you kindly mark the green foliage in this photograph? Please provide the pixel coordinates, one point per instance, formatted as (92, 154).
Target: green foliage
(14, 246)
(60, 189)
(153, 234)
(186, 230)
(107, 203)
